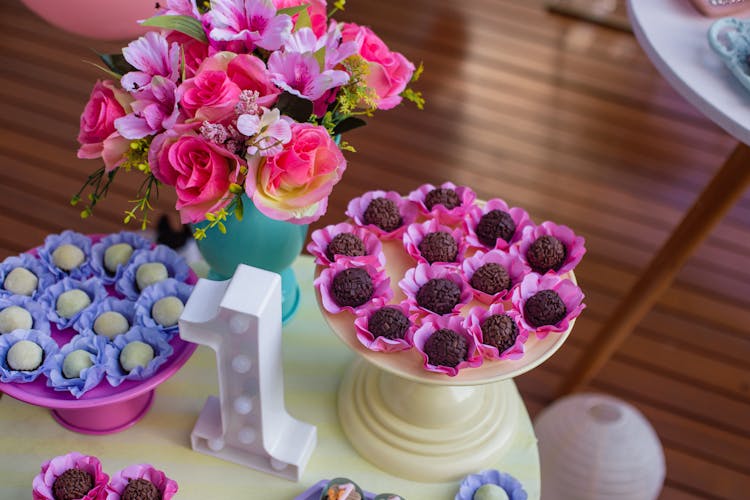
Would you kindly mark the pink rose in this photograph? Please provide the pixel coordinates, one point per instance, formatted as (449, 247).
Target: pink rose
(389, 71)
(209, 95)
(194, 50)
(247, 72)
(294, 185)
(98, 135)
(316, 10)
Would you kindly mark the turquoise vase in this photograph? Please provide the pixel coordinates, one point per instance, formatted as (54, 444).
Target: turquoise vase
(257, 241)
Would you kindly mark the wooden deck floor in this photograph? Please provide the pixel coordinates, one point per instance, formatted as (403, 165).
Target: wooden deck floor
(566, 119)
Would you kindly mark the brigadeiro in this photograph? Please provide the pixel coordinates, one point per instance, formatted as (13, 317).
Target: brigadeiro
(79, 365)
(149, 267)
(498, 332)
(384, 213)
(67, 254)
(111, 255)
(69, 477)
(351, 285)
(547, 303)
(433, 242)
(495, 225)
(345, 240)
(551, 247)
(446, 345)
(24, 275)
(436, 288)
(384, 328)
(67, 299)
(493, 274)
(25, 355)
(447, 203)
(141, 482)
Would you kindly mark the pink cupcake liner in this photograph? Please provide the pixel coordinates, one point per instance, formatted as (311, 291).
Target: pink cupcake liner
(510, 260)
(416, 277)
(433, 323)
(166, 486)
(357, 207)
(475, 213)
(52, 469)
(569, 292)
(381, 284)
(416, 232)
(439, 212)
(474, 321)
(383, 344)
(321, 238)
(574, 245)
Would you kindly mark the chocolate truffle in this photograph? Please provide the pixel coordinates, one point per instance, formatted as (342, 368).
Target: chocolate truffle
(136, 354)
(71, 303)
(383, 213)
(388, 322)
(117, 255)
(150, 273)
(499, 330)
(345, 244)
(442, 196)
(493, 225)
(352, 287)
(490, 492)
(491, 278)
(166, 311)
(25, 355)
(75, 362)
(72, 484)
(438, 247)
(13, 318)
(67, 257)
(546, 253)
(111, 324)
(445, 348)
(21, 281)
(544, 308)
(140, 489)
(439, 295)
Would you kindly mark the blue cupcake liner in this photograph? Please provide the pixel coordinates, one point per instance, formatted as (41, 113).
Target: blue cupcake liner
(473, 482)
(93, 288)
(99, 249)
(53, 241)
(89, 377)
(162, 351)
(37, 311)
(155, 292)
(48, 345)
(33, 264)
(176, 266)
(85, 322)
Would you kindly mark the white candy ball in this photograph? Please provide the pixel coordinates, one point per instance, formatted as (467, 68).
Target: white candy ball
(71, 303)
(13, 318)
(68, 257)
(21, 281)
(135, 354)
(117, 255)
(75, 362)
(150, 273)
(25, 355)
(490, 492)
(167, 311)
(111, 324)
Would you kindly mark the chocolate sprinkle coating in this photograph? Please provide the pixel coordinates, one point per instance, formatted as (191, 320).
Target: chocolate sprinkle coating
(445, 347)
(544, 308)
(345, 244)
(493, 225)
(438, 247)
(383, 213)
(499, 330)
(352, 287)
(388, 322)
(442, 196)
(140, 489)
(439, 295)
(546, 253)
(72, 484)
(491, 278)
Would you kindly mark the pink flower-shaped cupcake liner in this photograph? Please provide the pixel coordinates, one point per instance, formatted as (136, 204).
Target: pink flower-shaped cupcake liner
(574, 245)
(440, 212)
(510, 260)
(474, 321)
(416, 277)
(416, 232)
(519, 216)
(383, 344)
(357, 207)
(569, 292)
(433, 323)
(321, 238)
(54, 468)
(167, 487)
(381, 283)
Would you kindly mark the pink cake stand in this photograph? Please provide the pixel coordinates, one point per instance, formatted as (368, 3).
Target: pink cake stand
(104, 409)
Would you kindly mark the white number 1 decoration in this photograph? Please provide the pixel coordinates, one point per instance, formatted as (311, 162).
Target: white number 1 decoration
(248, 424)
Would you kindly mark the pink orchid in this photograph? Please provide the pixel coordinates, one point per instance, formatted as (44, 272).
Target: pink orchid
(251, 21)
(304, 40)
(268, 132)
(180, 8)
(154, 56)
(155, 109)
(300, 74)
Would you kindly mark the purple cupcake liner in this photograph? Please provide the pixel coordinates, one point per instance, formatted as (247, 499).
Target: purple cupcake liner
(416, 277)
(382, 292)
(37, 267)
(574, 245)
(512, 486)
(569, 292)
(151, 336)
(93, 288)
(37, 311)
(383, 344)
(53, 241)
(152, 294)
(474, 215)
(42, 339)
(89, 377)
(454, 322)
(416, 232)
(474, 321)
(176, 266)
(510, 260)
(321, 238)
(99, 249)
(357, 207)
(85, 323)
(440, 212)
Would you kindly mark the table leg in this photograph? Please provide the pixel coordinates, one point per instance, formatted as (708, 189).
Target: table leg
(728, 184)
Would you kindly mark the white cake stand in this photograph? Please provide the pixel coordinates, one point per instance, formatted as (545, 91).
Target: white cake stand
(426, 426)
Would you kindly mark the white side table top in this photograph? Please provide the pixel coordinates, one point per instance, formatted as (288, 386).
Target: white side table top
(674, 36)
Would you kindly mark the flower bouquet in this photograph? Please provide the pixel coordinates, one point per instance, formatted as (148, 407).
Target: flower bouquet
(231, 101)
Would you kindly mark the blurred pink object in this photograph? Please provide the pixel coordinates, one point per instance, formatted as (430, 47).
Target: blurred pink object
(717, 8)
(102, 19)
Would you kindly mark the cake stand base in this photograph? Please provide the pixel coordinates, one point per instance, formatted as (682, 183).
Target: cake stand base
(427, 432)
(105, 419)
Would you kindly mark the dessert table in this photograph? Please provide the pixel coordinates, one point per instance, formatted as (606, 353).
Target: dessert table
(314, 363)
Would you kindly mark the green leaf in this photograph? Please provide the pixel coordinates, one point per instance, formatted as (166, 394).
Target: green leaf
(106, 70)
(348, 124)
(320, 56)
(184, 24)
(290, 11)
(116, 63)
(303, 21)
(295, 107)
(239, 209)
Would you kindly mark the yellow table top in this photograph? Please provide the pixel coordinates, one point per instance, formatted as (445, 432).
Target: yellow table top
(314, 362)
